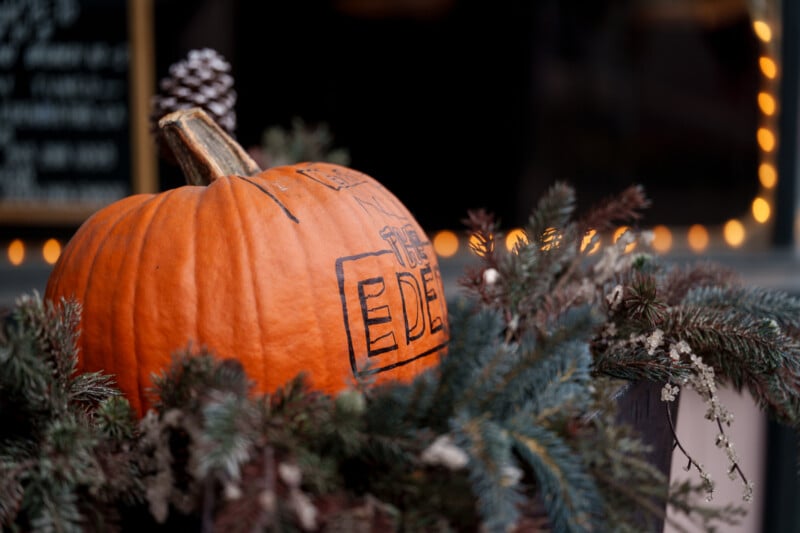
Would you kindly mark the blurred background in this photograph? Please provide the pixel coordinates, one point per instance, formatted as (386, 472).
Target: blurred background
(453, 105)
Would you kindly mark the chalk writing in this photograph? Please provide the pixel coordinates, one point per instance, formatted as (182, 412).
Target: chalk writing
(380, 204)
(64, 115)
(392, 317)
(333, 177)
(406, 245)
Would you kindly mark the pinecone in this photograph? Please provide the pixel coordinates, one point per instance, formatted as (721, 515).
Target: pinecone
(201, 80)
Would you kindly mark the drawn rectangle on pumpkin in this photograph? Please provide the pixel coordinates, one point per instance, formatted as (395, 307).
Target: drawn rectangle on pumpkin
(385, 312)
(75, 83)
(336, 178)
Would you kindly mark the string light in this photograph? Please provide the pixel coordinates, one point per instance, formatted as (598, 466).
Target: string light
(734, 233)
(766, 103)
(51, 250)
(763, 31)
(767, 175)
(618, 233)
(587, 240)
(477, 245)
(766, 139)
(768, 67)
(445, 243)
(16, 252)
(662, 239)
(761, 210)
(551, 238)
(514, 236)
(697, 236)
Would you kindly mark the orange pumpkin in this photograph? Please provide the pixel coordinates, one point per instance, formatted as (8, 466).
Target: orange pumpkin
(311, 267)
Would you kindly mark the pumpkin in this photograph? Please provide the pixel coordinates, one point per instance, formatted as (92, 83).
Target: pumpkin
(311, 267)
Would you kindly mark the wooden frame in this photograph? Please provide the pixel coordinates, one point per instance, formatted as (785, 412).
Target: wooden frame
(143, 163)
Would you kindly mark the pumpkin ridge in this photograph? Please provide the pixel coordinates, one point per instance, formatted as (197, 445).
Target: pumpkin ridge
(319, 331)
(258, 186)
(66, 257)
(144, 227)
(90, 277)
(251, 269)
(366, 235)
(197, 267)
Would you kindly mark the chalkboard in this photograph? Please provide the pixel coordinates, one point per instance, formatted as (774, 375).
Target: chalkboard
(70, 80)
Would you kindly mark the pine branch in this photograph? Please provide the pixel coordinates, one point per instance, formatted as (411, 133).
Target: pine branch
(115, 419)
(228, 438)
(569, 492)
(300, 142)
(482, 227)
(544, 260)
(551, 375)
(753, 301)
(90, 389)
(489, 447)
(54, 506)
(527, 275)
(531, 274)
(53, 327)
(625, 207)
(475, 334)
(554, 211)
(192, 375)
(58, 464)
(679, 280)
(12, 490)
(742, 348)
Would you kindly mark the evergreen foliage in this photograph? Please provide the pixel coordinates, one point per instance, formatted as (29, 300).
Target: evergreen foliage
(61, 466)
(517, 428)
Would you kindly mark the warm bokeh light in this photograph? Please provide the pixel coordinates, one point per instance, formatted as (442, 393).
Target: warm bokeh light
(662, 239)
(51, 250)
(445, 243)
(733, 233)
(587, 240)
(763, 31)
(618, 233)
(697, 236)
(767, 175)
(767, 103)
(551, 238)
(766, 139)
(475, 245)
(761, 210)
(16, 252)
(513, 236)
(768, 67)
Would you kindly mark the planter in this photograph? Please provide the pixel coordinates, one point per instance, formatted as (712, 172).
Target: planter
(641, 407)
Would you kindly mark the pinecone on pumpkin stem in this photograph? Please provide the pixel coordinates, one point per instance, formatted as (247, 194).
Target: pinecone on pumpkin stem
(202, 79)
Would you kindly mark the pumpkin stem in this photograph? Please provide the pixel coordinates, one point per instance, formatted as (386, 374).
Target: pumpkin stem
(202, 148)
